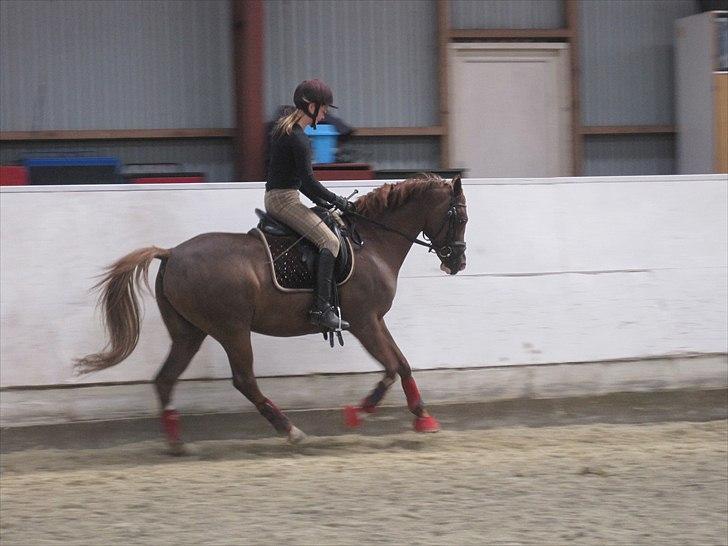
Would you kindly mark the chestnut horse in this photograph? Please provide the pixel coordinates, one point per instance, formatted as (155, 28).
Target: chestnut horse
(219, 284)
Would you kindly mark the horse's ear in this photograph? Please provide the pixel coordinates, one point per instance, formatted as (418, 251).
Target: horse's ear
(457, 186)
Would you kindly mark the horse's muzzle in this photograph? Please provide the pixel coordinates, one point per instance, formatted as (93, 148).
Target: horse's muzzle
(450, 271)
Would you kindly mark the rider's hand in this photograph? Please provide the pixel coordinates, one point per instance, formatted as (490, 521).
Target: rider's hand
(344, 205)
(322, 203)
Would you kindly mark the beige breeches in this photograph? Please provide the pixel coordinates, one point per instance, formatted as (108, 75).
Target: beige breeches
(286, 206)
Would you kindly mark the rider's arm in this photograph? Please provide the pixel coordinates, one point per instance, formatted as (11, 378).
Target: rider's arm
(319, 202)
(310, 187)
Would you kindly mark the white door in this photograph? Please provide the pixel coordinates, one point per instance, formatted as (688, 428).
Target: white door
(509, 106)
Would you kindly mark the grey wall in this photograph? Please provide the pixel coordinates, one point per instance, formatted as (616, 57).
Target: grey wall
(115, 64)
(619, 155)
(695, 101)
(119, 64)
(627, 61)
(474, 14)
(627, 78)
(396, 152)
(380, 58)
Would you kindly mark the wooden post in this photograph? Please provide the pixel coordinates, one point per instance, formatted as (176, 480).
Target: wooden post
(248, 21)
(443, 39)
(572, 24)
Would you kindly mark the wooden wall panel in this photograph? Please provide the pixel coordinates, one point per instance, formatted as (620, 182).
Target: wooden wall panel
(721, 122)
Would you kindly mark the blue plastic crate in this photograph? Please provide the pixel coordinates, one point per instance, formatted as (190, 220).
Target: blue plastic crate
(323, 140)
(71, 161)
(70, 169)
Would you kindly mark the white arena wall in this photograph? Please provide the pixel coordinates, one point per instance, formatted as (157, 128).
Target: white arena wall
(573, 286)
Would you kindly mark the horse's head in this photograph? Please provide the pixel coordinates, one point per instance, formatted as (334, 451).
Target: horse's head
(445, 227)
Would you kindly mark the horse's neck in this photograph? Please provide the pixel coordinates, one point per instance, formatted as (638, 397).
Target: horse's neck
(392, 247)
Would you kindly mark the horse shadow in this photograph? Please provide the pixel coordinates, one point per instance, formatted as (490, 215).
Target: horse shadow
(121, 458)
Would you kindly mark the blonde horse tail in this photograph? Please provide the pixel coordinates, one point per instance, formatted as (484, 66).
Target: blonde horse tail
(120, 304)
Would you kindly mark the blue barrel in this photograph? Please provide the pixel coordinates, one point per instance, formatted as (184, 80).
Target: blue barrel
(323, 140)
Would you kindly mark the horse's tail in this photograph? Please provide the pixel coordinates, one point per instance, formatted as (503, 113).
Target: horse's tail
(119, 287)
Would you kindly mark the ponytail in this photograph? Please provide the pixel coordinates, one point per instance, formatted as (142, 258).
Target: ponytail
(285, 124)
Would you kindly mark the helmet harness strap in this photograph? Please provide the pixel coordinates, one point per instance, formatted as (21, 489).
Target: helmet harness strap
(315, 113)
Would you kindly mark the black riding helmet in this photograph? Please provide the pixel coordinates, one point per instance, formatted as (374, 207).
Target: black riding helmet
(313, 91)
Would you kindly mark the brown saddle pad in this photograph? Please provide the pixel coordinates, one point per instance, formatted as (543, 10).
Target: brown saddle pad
(294, 268)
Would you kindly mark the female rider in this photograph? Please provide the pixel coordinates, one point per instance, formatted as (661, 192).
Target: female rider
(289, 172)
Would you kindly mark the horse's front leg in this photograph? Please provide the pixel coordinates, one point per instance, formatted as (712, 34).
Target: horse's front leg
(377, 340)
(424, 422)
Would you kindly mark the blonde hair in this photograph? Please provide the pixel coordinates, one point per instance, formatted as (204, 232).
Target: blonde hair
(286, 123)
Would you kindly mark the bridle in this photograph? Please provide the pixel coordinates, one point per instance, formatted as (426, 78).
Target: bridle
(451, 250)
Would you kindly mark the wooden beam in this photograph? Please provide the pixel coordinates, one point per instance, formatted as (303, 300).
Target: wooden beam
(572, 24)
(114, 134)
(398, 131)
(443, 39)
(720, 115)
(510, 33)
(222, 133)
(433, 131)
(627, 129)
(248, 21)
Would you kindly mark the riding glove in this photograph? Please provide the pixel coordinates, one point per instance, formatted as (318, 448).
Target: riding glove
(343, 204)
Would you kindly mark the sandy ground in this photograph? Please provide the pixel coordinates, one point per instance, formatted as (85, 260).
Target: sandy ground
(580, 484)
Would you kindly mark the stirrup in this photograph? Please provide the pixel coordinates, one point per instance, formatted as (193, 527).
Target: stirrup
(328, 319)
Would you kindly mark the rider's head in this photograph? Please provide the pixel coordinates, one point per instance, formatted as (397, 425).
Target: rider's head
(313, 98)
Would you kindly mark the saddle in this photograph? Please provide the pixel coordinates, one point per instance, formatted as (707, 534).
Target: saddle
(293, 266)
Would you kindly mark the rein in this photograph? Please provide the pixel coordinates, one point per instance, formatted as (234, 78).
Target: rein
(387, 228)
(443, 251)
(451, 248)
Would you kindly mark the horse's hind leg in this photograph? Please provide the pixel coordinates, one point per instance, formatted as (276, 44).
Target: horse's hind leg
(240, 355)
(377, 340)
(186, 341)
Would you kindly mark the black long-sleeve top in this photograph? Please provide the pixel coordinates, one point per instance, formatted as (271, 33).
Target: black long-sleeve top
(290, 166)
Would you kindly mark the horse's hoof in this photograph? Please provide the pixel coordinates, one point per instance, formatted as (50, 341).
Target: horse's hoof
(426, 424)
(296, 435)
(351, 417)
(177, 449)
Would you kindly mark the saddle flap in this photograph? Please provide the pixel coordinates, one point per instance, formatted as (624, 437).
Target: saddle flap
(294, 265)
(306, 252)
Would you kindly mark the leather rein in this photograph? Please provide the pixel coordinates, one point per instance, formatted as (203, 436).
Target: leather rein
(450, 248)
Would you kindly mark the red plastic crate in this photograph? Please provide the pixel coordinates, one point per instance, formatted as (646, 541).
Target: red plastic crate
(169, 180)
(13, 175)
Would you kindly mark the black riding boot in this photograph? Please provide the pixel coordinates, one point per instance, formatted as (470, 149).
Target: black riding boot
(322, 313)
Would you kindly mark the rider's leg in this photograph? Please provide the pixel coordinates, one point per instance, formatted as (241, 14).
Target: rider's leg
(322, 313)
(286, 206)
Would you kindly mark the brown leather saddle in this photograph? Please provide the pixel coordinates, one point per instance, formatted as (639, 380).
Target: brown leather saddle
(293, 264)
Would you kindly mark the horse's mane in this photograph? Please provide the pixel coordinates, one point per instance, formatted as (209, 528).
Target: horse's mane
(392, 196)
